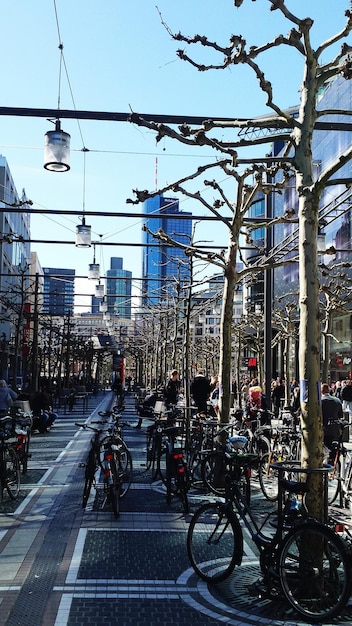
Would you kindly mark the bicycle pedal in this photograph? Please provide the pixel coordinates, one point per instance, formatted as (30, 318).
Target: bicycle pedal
(82, 465)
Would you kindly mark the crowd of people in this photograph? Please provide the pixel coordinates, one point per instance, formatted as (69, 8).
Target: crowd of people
(204, 394)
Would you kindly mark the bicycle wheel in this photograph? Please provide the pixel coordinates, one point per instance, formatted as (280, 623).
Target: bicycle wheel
(334, 482)
(123, 460)
(182, 490)
(214, 542)
(268, 477)
(315, 571)
(12, 472)
(25, 451)
(89, 477)
(123, 463)
(260, 445)
(115, 486)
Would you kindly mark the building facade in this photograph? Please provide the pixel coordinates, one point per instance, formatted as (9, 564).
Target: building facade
(59, 288)
(118, 289)
(164, 266)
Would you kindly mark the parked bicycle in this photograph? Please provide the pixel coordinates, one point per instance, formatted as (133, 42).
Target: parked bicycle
(176, 474)
(9, 463)
(106, 459)
(23, 426)
(114, 429)
(285, 446)
(304, 558)
(340, 460)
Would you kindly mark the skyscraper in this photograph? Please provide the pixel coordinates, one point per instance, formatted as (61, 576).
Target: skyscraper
(163, 265)
(59, 288)
(118, 289)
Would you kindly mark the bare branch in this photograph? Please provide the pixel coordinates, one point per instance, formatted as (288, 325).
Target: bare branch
(144, 195)
(343, 33)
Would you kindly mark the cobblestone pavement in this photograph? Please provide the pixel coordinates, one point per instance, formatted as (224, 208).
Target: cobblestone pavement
(62, 566)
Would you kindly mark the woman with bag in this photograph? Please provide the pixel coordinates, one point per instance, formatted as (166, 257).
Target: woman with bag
(7, 397)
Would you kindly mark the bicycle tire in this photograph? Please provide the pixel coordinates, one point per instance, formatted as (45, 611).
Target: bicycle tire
(25, 453)
(214, 542)
(268, 477)
(162, 469)
(260, 445)
(314, 570)
(214, 468)
(123, 462)
(182, 490)
(334, 482)
(88, 477)
(125, 459)
(12, 472)
(115, 487)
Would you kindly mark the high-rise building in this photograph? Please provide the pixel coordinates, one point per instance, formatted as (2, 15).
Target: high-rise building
(164, 265)
(119, 289)
(59, 288)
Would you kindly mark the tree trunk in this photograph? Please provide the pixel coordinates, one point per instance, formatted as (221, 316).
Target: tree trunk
(225, 365)
(309, 334)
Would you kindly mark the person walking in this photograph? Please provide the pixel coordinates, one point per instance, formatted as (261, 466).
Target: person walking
(346, 397)
(172, 389)
(331, 410)
(277, 395)
(200, 391)
(7, 397)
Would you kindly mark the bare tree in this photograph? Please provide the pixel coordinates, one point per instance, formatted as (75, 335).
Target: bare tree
(297, 131)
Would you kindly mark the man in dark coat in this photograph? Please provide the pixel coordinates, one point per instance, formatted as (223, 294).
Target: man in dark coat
(172, 389)
(200, 391)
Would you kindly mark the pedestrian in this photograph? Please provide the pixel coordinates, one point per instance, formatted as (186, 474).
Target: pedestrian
(145, 408)
(338, 389)
(346, 397)
(200, 391)
(277, 394)
(117, 388)
(331, 410)
(172, 389)
(43, 416)
(7, 397)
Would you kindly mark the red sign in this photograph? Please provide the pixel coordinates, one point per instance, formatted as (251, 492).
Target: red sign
(252, 363)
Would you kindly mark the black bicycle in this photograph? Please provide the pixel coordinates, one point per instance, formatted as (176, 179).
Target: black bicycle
(23, 427)
(106, 459)
(9, 464)
(176, 475)
(304, 558)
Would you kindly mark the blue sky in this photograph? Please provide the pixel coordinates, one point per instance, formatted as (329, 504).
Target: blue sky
(120, 57)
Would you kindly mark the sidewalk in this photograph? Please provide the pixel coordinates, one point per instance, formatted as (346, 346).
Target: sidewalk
(62, 566)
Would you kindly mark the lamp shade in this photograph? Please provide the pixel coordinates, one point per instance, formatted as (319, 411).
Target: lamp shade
(83, 235)
(93, 271)
(103, 306)
(57, 150)
(99, 291)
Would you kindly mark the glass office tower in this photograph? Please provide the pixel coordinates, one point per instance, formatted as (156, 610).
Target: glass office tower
(164, 265)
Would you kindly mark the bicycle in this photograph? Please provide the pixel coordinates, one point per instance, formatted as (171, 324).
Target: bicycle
(176, 474)
(340, 461)
(286, 446)
(114, 430)
(23, 426)
(218, 462)
(104, 456)
(304, 558)
(9, 463)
